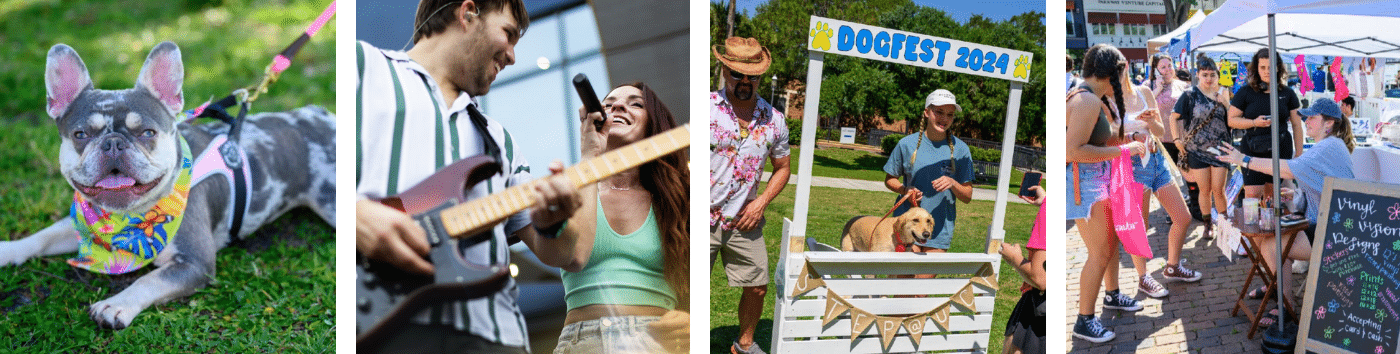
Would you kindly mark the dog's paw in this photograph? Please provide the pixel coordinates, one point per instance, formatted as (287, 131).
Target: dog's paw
(110, 314)
(11, 253)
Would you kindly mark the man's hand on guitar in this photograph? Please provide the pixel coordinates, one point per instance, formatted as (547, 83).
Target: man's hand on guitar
(555, 199)
(389, 235)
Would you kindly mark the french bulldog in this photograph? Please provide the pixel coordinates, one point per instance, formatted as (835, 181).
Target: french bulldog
(121, 152)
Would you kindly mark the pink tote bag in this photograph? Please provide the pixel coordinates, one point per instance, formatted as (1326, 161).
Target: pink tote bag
(1125, 206)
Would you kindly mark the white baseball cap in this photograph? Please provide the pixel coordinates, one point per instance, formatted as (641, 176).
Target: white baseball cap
(941, 97)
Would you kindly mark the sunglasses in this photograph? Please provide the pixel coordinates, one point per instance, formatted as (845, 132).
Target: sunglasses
(740, 77)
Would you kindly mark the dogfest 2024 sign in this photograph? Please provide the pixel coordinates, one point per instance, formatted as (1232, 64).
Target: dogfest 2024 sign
(870, 42)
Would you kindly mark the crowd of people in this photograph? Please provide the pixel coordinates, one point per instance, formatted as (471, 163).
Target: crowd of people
(1109, 117)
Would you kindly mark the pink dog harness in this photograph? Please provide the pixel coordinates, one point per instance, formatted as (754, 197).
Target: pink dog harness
(214, 160)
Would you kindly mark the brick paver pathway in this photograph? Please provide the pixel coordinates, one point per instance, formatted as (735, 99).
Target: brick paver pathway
(1194, 318)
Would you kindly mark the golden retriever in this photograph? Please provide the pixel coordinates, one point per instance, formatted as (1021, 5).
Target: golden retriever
(914, 226)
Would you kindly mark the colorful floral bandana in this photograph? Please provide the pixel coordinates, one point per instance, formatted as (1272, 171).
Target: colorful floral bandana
(116, 244)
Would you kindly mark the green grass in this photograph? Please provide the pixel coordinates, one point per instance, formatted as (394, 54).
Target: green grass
(828, 212)
(869, 166)
(273, 292)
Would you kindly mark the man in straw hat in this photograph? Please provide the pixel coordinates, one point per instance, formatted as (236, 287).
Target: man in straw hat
(744, 131)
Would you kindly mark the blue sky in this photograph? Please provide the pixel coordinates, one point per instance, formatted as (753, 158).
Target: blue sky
(960, 10)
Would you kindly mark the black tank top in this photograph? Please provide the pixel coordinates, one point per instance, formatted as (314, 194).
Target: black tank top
(1103, 129)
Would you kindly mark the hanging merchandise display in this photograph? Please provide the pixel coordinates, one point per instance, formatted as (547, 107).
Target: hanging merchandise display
(1229, 66)
(1364, 68)
(1339, 80)
(1305, 82)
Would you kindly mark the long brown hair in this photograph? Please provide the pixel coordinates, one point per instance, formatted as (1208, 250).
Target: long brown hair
(668, 181)
(1105, 61)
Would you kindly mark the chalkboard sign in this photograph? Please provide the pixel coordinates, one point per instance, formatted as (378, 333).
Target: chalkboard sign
(1353, 299)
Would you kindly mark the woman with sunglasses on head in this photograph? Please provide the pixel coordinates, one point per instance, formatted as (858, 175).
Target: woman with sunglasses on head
(1166, 89)
(632, 294)
(1093, 140)
(1143, 122)
(1330, 157)
(1249, 110)
(1201, 114)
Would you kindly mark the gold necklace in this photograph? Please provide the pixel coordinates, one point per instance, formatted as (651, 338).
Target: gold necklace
(616, 188)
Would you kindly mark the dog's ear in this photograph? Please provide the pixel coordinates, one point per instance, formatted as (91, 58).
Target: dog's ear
(898, 225)
(163, 75)
(65, 76)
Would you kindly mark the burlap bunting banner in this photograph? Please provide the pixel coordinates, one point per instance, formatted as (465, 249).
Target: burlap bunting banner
(807, 281)
(940, 316)
(888, 327)
(860, 320)
(986, 277)
(915, 326)
(835, 306)
(965, 297)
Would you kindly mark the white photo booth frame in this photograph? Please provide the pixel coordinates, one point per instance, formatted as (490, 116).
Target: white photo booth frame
(798, 323)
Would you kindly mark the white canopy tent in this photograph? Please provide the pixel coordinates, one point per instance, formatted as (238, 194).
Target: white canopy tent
(1348, 28)
(1154, 44)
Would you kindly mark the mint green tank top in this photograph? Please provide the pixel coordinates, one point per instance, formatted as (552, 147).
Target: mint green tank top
(623, 270)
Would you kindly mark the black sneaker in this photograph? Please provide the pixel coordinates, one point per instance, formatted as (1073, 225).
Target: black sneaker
(1120, 301)
(1091, 330)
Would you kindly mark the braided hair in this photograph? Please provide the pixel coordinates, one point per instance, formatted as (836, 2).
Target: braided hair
(1152, 75)
(1105, 61)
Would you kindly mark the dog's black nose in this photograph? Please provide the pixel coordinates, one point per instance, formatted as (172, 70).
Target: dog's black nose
(114, 144)
(928, 234)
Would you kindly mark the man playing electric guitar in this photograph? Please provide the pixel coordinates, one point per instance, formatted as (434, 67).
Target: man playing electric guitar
(417, 114)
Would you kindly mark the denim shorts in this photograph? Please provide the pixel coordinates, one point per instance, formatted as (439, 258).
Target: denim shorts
(609, 335)
(1093, 187)
(1154, 174)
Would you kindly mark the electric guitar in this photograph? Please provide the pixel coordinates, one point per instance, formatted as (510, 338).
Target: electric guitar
(387, 298)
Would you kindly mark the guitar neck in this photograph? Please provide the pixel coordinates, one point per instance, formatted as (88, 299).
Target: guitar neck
(477, 215)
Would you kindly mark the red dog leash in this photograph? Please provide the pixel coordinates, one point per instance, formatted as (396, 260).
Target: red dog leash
(899, 245)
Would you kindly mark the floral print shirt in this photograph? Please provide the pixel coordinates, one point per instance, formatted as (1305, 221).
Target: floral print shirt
(737, 153)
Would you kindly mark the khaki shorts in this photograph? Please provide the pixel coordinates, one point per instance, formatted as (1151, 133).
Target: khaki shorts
(745, 255)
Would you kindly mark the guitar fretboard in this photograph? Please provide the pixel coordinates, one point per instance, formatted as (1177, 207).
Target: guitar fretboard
(475, 216)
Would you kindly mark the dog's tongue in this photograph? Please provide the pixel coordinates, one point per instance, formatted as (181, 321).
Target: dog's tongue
(115, 182)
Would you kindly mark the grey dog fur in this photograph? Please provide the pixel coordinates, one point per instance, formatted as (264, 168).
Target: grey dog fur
(291, 157)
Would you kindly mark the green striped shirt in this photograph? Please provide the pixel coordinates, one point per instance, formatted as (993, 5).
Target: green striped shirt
(406, 132)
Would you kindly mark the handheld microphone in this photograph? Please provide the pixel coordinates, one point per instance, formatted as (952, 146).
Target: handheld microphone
(591, 104)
